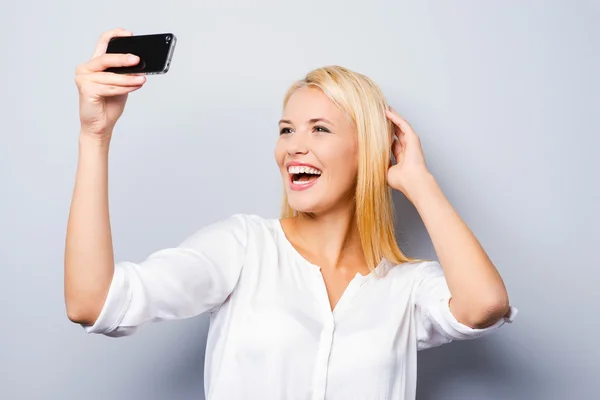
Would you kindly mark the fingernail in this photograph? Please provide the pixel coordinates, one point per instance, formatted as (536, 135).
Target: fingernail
(133, 58)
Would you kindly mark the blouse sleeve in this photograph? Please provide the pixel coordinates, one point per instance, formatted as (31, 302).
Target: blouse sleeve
(175, 283)
(436, 325)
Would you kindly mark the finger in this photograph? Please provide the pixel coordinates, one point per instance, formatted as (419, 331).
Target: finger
(398, 132)
(401, 135)
(105, 61)
(399, 121)
(397, 148)
(109, 78)
(102, 44)
(110, 90)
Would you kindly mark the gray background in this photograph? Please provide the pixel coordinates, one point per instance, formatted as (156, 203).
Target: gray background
(505, 98)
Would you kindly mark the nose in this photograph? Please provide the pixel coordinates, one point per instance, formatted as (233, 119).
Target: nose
(297, 145)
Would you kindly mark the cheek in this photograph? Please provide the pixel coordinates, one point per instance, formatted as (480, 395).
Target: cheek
(279, 154)
(342, 161)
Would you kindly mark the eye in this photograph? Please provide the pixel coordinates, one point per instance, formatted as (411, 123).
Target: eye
(283, 131)
(319, 128)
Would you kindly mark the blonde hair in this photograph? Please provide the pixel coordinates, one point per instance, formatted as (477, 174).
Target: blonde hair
(362, 100)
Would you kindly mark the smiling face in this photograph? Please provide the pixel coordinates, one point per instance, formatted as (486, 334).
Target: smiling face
(317, 153)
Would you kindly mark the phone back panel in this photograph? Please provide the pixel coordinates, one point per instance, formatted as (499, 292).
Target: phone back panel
(155, 52)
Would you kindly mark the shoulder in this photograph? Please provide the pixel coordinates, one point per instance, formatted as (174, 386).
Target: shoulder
(253, 223)
(234, 233)
(238, 221)
(412, 267)
(241, 225)
(414, 271)
(235, 227)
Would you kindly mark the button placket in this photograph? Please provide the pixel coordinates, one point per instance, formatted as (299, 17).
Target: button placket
(325, 342)
(353, 288)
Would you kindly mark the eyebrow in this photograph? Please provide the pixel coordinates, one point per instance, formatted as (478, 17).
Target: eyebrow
(311, 121)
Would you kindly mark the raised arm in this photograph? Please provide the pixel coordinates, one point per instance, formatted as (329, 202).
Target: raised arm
(89, 263)
(478, 296)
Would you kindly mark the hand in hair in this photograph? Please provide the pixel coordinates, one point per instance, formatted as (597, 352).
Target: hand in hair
(410, 166)
(479, 298)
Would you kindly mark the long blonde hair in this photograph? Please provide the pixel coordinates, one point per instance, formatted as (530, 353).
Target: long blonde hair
(362, 100)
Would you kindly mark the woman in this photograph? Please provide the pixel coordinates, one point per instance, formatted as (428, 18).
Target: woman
(320, 304)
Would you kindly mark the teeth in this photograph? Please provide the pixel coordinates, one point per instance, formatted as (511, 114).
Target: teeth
(301, 182)
(303, 170)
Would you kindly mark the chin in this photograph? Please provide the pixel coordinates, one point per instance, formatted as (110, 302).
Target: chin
(310, 203)
(303, 206)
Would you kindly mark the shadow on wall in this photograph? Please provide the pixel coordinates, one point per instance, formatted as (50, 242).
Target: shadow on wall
(485, 367)
(184, 352)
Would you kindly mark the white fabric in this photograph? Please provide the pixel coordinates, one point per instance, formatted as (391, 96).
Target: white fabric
(273, 334)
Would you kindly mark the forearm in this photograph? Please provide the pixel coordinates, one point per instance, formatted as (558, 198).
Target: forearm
(89, 260)
(479, 296)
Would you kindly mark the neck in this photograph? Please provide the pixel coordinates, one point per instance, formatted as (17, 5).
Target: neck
(332, 237)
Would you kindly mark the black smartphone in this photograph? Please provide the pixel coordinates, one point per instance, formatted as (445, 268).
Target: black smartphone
(155, 52)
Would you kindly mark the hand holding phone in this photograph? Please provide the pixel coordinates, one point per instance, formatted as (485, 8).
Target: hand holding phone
(155, 52)
(118, 67)
(102, 95)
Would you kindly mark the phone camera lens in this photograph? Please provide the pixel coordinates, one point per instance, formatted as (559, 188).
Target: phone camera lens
(168, 38)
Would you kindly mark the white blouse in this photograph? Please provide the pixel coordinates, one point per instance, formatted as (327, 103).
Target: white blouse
(272, 332)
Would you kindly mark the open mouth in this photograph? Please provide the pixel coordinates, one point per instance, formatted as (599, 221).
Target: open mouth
(302, 176)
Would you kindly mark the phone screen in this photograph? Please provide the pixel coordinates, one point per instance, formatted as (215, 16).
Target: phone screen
(155, 52)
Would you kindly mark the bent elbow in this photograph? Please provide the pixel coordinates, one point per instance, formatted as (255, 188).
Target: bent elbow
(491, 312)
(484, 313)
(80, 314)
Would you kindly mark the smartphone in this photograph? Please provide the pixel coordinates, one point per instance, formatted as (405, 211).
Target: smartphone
(155, 52)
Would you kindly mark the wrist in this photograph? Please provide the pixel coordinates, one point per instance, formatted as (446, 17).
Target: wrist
(420, 187)
(94, 141)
